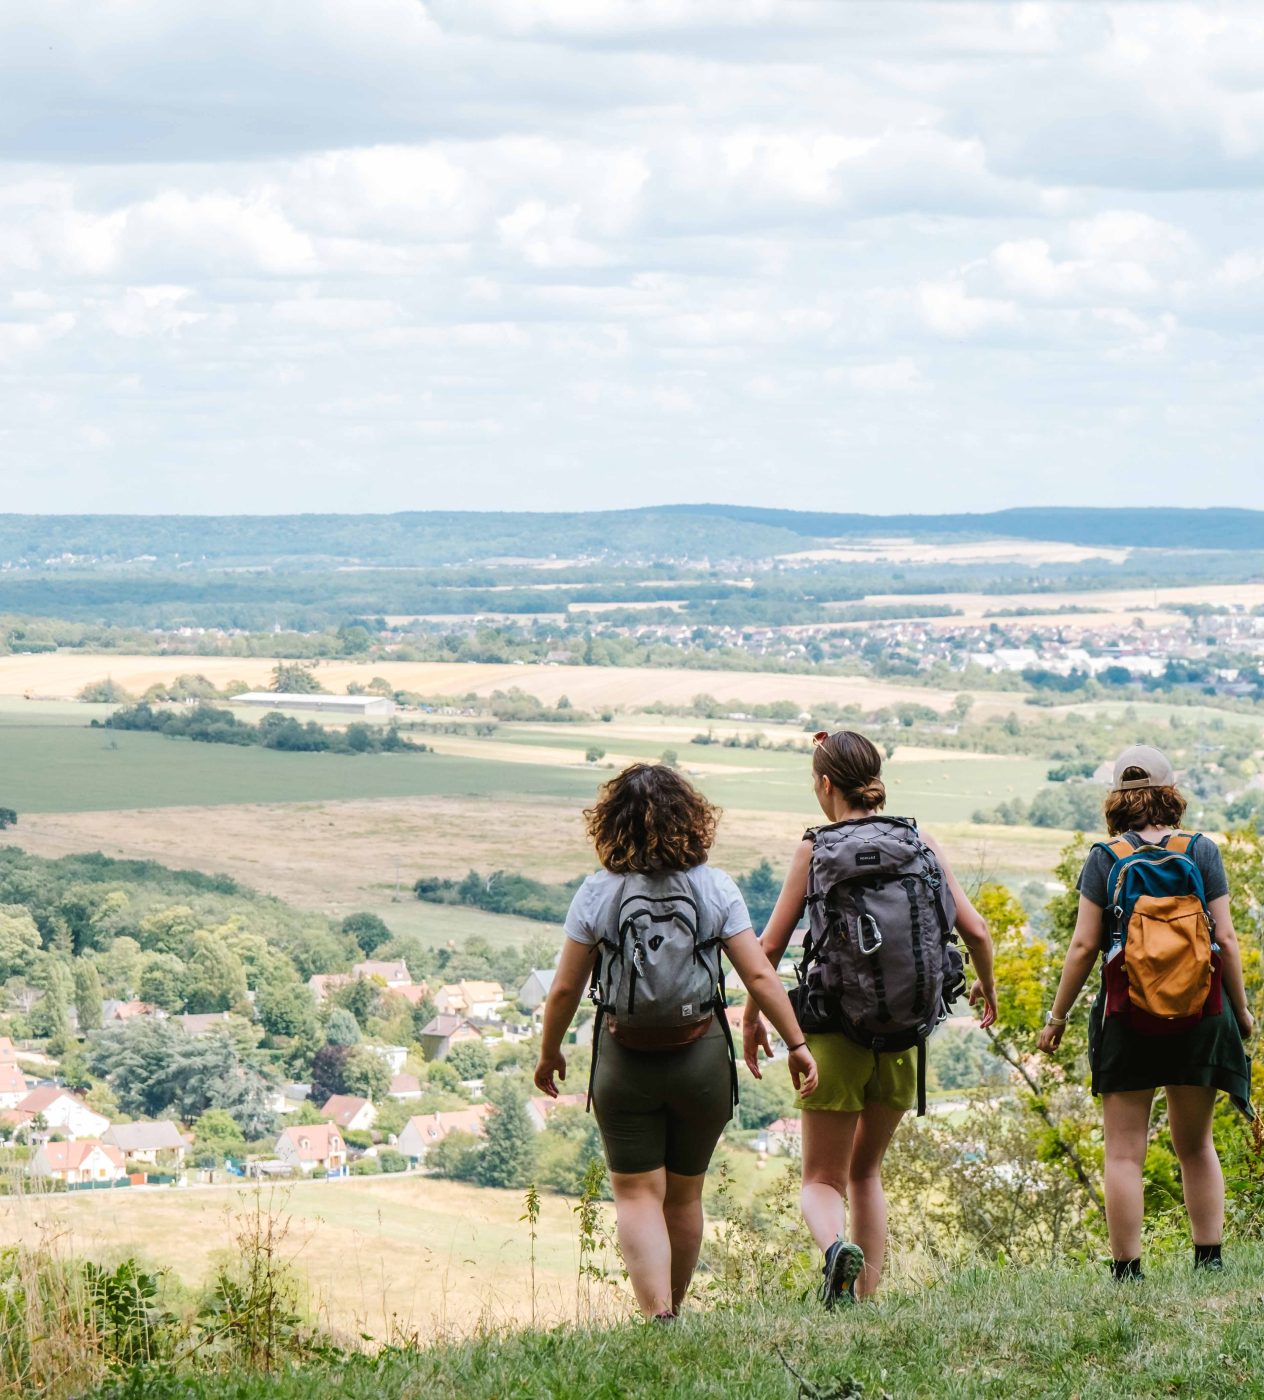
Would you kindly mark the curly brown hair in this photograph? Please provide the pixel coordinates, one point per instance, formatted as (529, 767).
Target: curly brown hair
(649, 819)
(1130, 809)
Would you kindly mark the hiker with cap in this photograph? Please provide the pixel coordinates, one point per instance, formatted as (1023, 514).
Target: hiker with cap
(1172, 1011)
(880, 968)
(648, 934)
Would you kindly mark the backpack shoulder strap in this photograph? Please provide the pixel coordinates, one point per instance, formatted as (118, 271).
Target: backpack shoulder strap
(1182, 842)
(1118, 849)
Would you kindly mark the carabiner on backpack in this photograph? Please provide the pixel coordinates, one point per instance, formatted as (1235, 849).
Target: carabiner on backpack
(867, 920)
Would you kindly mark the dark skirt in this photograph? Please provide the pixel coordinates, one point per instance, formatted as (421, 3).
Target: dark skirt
(1211, 1054)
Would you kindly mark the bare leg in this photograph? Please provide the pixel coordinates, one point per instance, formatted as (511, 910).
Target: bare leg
(864, 1190)
(827, 1141)
(1125, 1121)
(682, 1210)
(643, 1238)
(1189, 1110)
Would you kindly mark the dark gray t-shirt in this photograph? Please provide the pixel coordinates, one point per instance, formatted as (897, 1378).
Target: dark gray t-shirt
(1095, 876)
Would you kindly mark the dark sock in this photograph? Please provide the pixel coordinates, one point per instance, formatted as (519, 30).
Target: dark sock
(1207, 1256)
(1126, 1268)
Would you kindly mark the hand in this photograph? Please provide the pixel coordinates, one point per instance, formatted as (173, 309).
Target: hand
(549, 1066)
(988, 998)
(803, 1071)
(1050, 1039)
(754, 1035)
(1246, 1022)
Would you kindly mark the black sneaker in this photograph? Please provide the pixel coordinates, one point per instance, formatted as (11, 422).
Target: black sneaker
(843, 1263)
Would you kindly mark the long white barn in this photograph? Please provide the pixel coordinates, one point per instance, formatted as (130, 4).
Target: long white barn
(364, 706)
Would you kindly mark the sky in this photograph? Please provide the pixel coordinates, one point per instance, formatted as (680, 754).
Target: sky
(352, 255)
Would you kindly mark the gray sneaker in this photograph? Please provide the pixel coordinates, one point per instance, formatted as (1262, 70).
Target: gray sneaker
(843, 1263)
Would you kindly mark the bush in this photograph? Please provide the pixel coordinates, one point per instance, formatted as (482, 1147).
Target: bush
(392, 1161)
(366, 1166)
(455, 1158)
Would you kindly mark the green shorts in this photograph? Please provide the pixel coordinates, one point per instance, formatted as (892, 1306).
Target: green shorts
(851, 1076)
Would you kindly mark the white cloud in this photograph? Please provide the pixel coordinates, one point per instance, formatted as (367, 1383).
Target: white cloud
(664, 248)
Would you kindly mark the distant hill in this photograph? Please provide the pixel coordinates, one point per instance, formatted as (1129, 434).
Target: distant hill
(672, 533)
(1143, 528)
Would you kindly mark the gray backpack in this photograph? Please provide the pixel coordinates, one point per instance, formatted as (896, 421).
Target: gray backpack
(659, 976)
(880, 962)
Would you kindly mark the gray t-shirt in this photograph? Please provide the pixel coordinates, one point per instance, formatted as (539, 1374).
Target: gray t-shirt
(1095, 876)
(592, 908)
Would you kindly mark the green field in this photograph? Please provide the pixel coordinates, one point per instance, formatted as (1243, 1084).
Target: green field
(54, 768)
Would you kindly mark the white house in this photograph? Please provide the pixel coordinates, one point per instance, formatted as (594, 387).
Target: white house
(76, 1162)
(62, 1112)
(156, 1144)
(313, 1147)
(420, 1134)
(350, 1112)
(534, 990)
(405, 1086)
(394, 1055)
(13, 1084)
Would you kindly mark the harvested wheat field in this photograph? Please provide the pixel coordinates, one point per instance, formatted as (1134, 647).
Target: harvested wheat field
(62, 675)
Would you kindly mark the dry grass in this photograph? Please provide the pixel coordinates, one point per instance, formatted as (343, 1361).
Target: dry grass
(387, 1256)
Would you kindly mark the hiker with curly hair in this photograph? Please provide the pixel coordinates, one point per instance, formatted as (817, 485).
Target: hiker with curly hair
(647, 931)
(1172, 1012)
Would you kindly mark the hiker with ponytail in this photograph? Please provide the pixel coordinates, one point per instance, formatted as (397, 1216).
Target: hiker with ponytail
(880, 967)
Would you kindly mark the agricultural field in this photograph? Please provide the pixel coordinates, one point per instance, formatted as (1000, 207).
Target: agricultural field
(387, 1256)
(62, 675)
(512, 800)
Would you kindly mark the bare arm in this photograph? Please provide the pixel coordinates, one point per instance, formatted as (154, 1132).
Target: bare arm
(974, 933)
(1231, 963)
(776, 939)
(764, 986)
(1081, 956)
(574, 969)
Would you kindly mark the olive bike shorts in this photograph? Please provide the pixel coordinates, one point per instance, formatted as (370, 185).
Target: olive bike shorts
(663, 1108)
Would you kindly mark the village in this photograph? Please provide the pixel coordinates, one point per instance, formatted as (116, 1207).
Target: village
(72, 1146)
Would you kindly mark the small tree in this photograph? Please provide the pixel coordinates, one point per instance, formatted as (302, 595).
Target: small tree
(366, 1074)
(508, 1156)
(88, 999)
(342, 1028)
(293, 678)
(669, 758)
(8, 817)
(594, 754)
(470, 1059)
(368, 931)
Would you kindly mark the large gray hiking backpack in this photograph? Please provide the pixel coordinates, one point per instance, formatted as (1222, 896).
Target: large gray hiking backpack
(659, 975)
(880, 962)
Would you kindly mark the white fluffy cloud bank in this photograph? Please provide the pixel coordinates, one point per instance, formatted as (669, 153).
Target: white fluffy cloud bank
(266, 255)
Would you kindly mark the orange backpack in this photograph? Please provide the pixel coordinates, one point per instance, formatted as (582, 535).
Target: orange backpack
(1162, 968)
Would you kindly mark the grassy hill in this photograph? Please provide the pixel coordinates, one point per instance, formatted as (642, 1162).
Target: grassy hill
(985, 1332)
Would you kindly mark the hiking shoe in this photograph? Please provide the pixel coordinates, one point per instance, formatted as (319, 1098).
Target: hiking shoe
(843, 1263)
